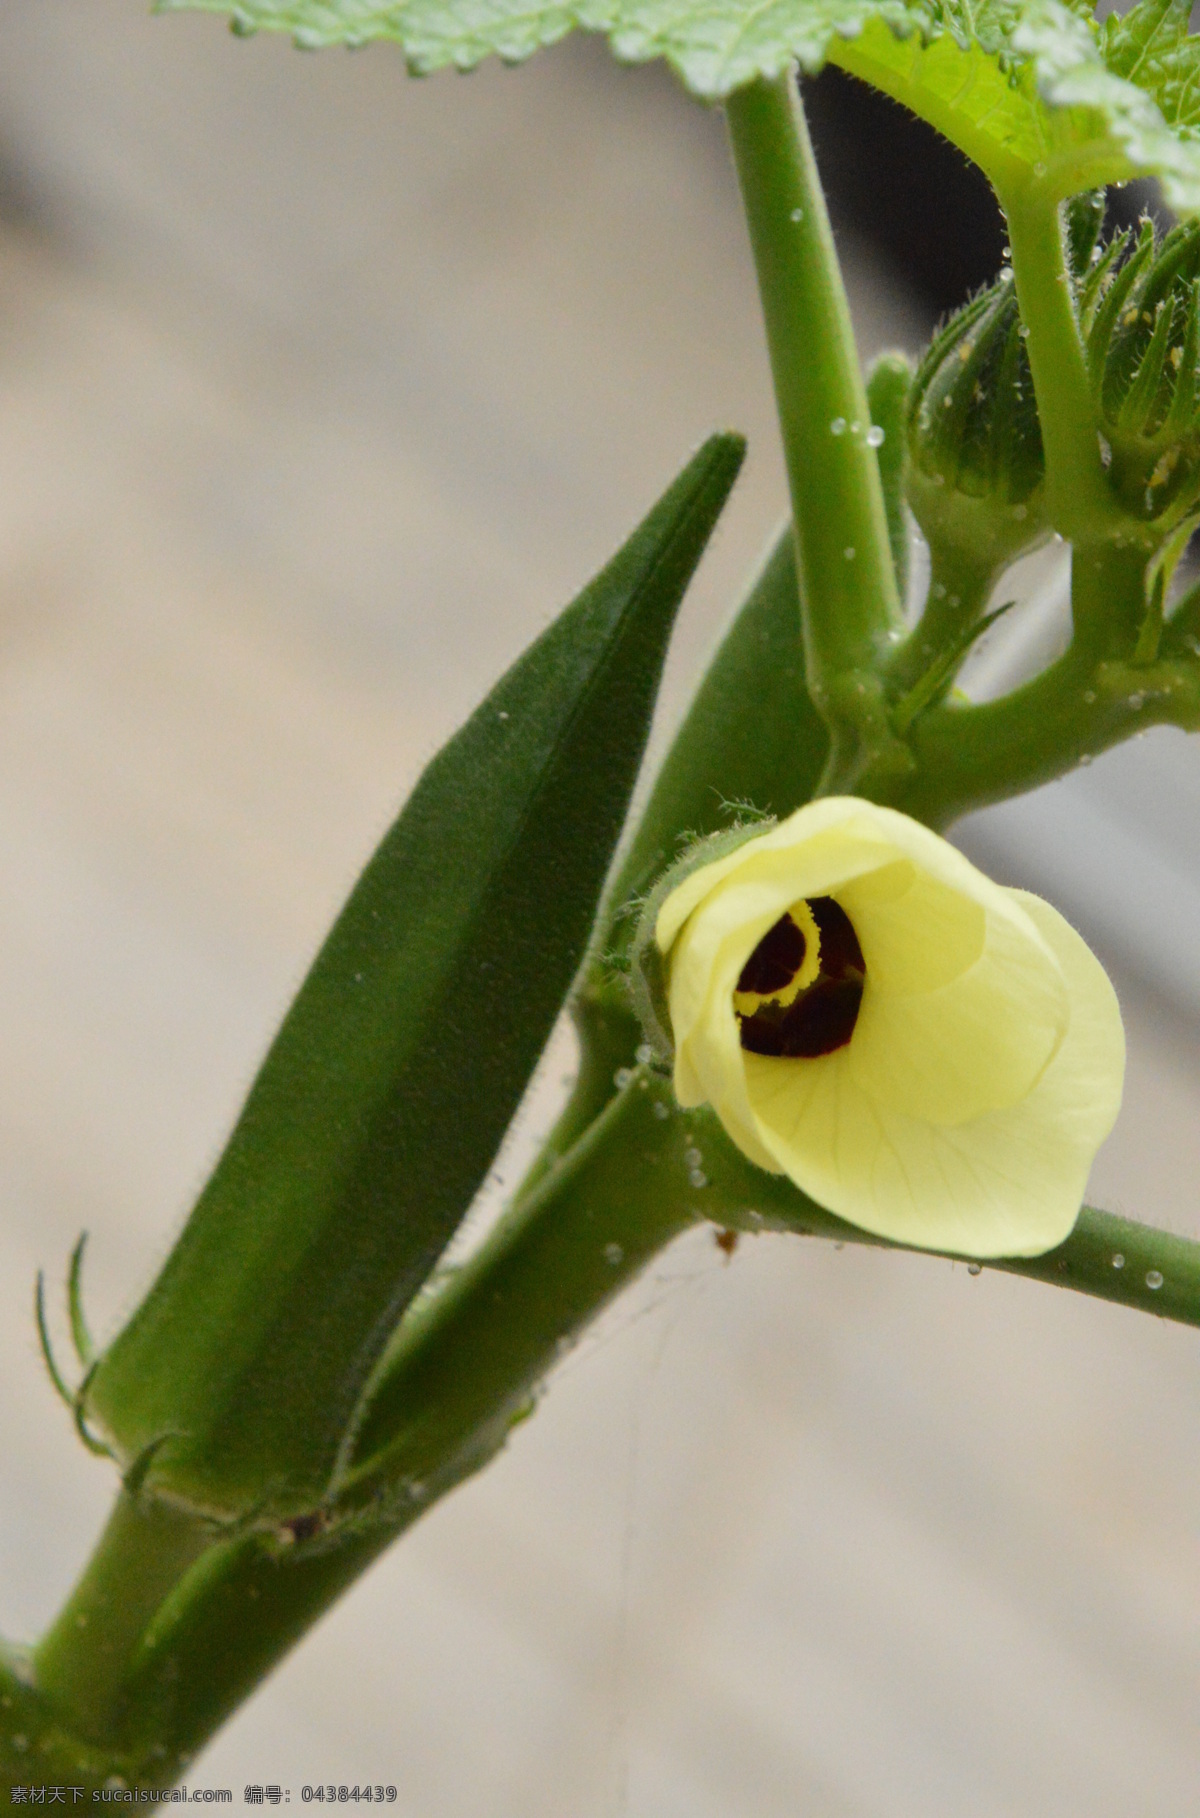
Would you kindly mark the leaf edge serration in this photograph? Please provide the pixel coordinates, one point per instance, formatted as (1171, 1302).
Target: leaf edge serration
(1046, 96)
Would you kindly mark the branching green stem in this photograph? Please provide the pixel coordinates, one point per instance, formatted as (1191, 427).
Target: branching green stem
(82, 1661)
(970, 756)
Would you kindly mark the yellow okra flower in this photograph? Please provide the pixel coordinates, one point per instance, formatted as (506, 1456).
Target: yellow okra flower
(930, 1055)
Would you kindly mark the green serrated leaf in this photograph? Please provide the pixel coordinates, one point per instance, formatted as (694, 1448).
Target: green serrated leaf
(1037, 95)
(1032, 90)
(382, 1102)
(431, 33)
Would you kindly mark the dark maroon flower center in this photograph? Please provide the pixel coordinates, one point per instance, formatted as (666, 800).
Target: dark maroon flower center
(820, 1017)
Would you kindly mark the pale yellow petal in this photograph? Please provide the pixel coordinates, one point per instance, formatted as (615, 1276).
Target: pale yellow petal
(826, 842)
(986, 1065)
(1008, 1183)
(706, 962)
(976, 1044)
(916, 931)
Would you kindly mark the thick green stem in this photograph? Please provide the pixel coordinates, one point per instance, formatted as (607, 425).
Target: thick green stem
(958, 592)
(849, 604)
(557, 1257)
(82, 1663)
(970, 756)
(609, 1035)
(1108, 599)
(1078, 501)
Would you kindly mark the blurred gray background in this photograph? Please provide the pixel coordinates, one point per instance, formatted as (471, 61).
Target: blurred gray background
(320, 391)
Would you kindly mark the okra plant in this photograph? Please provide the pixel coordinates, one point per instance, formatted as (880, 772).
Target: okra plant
(806, 1012)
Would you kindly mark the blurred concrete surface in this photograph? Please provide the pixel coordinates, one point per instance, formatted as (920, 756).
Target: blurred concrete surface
(320, 390)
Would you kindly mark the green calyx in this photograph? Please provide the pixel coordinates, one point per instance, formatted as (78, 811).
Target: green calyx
(647, 969)
(976, 463)
(976, 478)
(1138, 308)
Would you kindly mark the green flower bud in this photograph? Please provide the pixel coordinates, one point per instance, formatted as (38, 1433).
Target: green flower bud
(976, 463)
(975, 446)
(1139, 314)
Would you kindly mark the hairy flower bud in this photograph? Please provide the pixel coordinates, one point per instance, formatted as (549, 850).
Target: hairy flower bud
(976, 464)
(1138, 309)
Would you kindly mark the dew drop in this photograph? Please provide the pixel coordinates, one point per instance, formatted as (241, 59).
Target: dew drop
(502, 715)
(856, 428)
(838, 426)
(644, 1054)
(1137, 700)
(1089, 697)
(1118, 1261)
(797, 214)
(875, 436)
(1085, 759)
(1154, 1278)
(614, 1255)
(697, 1178)
(850, 552)
(975, 1268)
(693, 1157)
(622, 1077)
(661, 1110)
(1020, 512)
